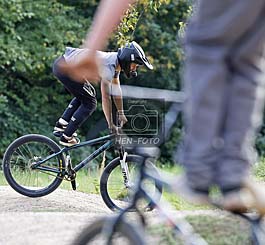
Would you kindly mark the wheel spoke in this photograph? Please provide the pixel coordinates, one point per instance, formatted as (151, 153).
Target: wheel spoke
(118, 193)
(20, 160)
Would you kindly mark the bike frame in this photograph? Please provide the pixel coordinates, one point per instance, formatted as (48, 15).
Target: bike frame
(109, 142)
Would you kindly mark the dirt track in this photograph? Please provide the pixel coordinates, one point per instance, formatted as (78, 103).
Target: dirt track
(54, 219)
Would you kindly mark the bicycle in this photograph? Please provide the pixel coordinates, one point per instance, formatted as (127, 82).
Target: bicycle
(116, 228)
(34, 165)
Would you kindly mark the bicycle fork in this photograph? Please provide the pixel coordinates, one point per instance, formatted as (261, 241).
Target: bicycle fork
(124, 168)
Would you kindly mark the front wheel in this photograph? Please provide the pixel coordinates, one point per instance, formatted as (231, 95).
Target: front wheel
(19, 158)
(116, 194)
(124, 234)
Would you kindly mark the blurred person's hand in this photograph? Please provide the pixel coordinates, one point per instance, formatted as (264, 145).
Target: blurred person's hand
(85, 67)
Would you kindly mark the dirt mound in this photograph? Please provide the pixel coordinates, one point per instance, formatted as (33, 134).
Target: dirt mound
(56, 218)
(53, 219)
(58, 201)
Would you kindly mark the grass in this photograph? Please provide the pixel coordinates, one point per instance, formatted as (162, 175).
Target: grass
(2, 178)
(221, 231)
(224, 230)
(88, 182)
(216, 230)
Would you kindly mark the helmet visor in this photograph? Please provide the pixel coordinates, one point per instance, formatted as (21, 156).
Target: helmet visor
(139, 57)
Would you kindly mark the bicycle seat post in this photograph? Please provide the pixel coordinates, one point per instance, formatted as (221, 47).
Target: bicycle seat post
(67, 161)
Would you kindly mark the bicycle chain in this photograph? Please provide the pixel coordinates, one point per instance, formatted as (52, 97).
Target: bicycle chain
(65, 177)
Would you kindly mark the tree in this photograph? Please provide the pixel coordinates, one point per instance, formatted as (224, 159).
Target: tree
(34, 33)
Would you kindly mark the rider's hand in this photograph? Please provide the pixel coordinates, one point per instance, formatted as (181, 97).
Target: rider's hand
(113, 129)
(122, 119)
(84, 67)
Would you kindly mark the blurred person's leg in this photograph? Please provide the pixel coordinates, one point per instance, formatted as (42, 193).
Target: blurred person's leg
(245, 105)
(214, 29)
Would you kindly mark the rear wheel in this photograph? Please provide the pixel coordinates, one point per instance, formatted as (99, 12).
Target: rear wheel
(115, 193)
(18, 160)
(124, 234)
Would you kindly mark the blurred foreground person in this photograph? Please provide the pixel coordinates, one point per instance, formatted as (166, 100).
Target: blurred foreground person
(225, 87)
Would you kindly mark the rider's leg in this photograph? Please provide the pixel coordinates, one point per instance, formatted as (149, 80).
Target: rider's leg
(86, 108)
(70, 110)
(63, 121)
(85, 95)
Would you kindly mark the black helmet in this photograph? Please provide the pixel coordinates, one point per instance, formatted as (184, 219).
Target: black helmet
(132, 53)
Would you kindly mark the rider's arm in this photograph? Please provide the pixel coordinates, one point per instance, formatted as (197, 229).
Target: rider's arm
(118, 100)
(106, 102)
(117, 97)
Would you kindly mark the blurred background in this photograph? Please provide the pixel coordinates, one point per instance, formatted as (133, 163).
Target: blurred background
(34, 33)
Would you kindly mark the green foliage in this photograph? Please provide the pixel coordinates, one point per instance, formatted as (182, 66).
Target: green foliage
(259, 169)
(260, 141)
(34, 33)
(132, 16)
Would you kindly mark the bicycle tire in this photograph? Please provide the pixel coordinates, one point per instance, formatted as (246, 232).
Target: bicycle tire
(129, 232)
(114, 203)
(17, 158)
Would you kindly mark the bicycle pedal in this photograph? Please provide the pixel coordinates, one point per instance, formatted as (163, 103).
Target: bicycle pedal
(57, 134)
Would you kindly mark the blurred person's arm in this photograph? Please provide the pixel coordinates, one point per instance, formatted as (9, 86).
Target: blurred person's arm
(107, 17)
(87, 65)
